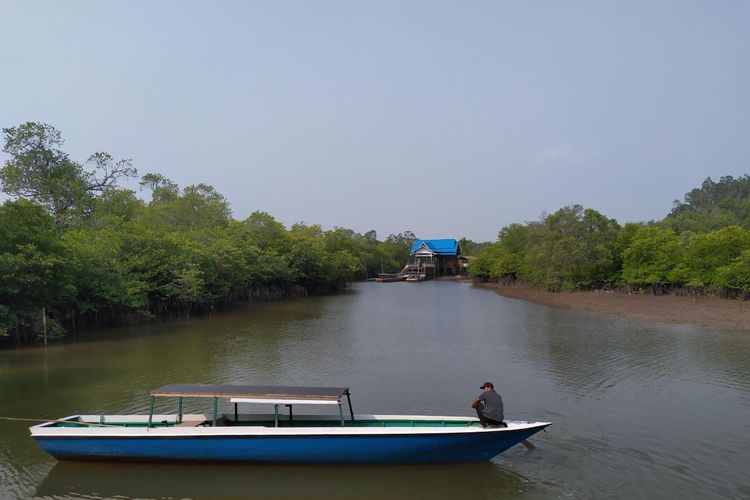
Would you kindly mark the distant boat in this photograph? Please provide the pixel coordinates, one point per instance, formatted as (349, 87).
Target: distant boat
(270, 438)
(413, 278)
(390, 277)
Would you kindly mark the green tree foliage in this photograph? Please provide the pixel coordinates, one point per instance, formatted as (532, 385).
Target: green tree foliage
(392, 255)
(703, 242)
(736, 274)
(39, 170)
(491, 262)
(572, 248)
(713, 206)
(471, 248)
(507, 258)
(708, 257)
(162, 189)
(266, 232)
(33, 266)
(88, 251)
(651, 256)
(581, 248)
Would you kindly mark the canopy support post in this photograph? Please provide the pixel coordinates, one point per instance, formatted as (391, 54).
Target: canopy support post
(235, 413)
(349, 400)
(179, 413)
(290, 412)
(276, 415)
(216, 411)
(341, 414)
(151, 412)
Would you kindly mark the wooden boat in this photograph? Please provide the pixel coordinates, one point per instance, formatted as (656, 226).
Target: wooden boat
(390, 277)
(414, 278)
(273, 438)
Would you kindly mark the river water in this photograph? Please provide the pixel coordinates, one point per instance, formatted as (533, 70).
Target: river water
(640, 410)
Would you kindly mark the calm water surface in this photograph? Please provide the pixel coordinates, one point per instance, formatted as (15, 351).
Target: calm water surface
(640, 410)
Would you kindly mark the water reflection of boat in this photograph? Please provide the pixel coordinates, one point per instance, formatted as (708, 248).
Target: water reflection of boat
(390, 277)
(107, 480)
(273, 438)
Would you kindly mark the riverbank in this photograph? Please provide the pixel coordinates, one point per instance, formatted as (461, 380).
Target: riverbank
(164, 311)
(705, 311)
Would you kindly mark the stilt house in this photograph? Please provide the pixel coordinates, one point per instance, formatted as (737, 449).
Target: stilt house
(432, 258)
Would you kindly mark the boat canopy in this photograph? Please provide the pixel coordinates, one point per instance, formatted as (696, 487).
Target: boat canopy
(269, 394)
(280, 394)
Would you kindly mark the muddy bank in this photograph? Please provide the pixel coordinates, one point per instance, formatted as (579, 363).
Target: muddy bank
(696, 310)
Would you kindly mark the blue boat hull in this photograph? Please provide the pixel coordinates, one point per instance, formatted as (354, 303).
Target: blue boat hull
(353, 449)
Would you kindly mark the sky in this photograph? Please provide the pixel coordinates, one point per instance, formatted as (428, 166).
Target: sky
(448, 119)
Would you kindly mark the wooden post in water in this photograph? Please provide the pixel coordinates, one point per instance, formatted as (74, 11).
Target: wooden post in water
(44, 324)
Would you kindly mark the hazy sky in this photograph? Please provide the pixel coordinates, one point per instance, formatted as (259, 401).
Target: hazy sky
(449, 119)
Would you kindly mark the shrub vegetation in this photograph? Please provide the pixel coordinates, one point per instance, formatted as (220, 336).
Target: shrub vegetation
(702, 246)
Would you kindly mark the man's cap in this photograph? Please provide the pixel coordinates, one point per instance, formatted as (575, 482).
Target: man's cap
(488, 384)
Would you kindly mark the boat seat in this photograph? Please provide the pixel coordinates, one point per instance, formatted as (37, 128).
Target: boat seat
(190, 423)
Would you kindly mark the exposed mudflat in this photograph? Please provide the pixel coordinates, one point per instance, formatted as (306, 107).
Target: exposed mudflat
(699, 310)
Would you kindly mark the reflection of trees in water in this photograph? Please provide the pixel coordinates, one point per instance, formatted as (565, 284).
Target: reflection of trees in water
(96, 480)
(278, 343)
(289, 343)
(254, 344)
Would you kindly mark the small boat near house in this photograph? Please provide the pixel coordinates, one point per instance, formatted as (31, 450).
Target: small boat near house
(390, 277)
(345, 437)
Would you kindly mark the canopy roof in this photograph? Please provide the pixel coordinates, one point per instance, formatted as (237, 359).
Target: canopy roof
(438, 247)
(272, 393)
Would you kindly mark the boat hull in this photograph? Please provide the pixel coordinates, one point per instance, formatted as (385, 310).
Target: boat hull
(479, 445)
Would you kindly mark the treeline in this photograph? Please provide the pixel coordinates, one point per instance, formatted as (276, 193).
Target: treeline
(702, 246)
(74, 242)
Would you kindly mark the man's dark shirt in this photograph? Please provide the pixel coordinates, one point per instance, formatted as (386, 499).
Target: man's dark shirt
(491, 405)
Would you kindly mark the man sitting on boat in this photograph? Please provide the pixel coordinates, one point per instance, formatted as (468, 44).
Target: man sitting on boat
(489, 406)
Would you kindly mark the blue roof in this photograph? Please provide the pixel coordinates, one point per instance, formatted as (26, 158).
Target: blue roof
(440, 247)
